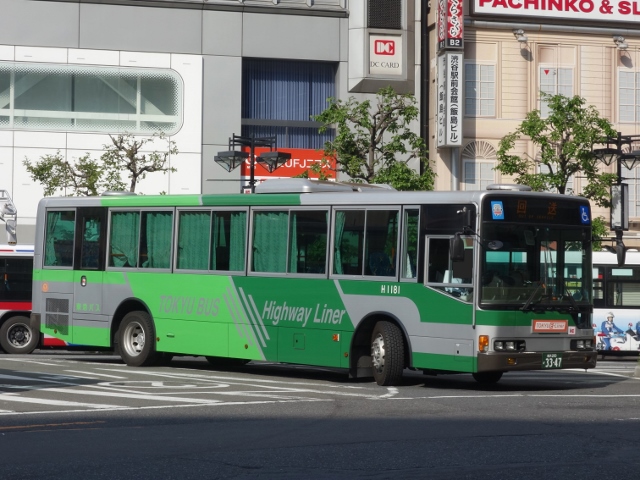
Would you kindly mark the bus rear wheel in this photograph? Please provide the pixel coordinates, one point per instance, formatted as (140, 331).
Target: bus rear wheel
(136, 340)
(387, 353)
(487, 377)
(17, 337)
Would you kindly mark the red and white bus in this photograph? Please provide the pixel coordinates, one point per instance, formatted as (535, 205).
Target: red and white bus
(16, 276)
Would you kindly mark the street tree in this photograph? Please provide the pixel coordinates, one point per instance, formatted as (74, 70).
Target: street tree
(374, 142)
(87, 176)
(564, 140)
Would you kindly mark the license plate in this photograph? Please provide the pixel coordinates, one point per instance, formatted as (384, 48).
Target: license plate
(551, 360)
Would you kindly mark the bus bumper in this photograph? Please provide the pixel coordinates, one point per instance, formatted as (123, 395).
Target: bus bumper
(506, 362)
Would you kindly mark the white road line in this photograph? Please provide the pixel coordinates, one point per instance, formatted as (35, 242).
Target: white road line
(41, 401)
(32, 379)
(97, 374)
(392, 393)
(29, 361)
(161, 407)
(255, 383)
(133, 396)
(182, 373)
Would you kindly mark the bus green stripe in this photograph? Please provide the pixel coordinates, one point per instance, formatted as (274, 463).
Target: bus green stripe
(452, 363)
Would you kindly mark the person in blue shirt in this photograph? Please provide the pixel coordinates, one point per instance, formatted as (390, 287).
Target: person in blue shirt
(609, 329)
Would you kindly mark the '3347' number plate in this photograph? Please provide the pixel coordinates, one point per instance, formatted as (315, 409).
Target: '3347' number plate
(551, 360)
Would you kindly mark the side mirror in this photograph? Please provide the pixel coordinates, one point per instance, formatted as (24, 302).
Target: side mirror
(456, 248)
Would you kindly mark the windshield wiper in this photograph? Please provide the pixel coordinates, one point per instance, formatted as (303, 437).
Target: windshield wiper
(527, 304)
(572, 301)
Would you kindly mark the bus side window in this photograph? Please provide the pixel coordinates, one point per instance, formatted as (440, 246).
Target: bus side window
(228, 240)
(156, 234)
(58, 247)
(270, 241)
(123, 239)
(456, 277)
(381, 242)
(90, 242)
(194, 230)
(410, 243)
(308, 241)
(348, 242)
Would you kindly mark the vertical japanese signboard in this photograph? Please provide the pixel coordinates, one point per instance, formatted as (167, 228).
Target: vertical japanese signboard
(450, 93)
(450, 25)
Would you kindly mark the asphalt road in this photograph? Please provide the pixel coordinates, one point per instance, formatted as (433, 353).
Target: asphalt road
(71, 415)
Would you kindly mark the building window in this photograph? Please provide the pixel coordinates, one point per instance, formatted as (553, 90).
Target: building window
(555, 81)
(629, 96)
(478, 175)
(478, 160)
(279, 98)
(480, 90)
(89, 98)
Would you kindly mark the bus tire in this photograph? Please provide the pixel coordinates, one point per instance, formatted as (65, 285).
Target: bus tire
(487, 377)
(17, 337)
(136, 340)
(387, 354)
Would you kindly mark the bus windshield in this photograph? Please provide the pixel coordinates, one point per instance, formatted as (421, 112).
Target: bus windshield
(535, 268)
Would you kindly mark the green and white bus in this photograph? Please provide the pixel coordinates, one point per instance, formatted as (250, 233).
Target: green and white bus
(358, 277)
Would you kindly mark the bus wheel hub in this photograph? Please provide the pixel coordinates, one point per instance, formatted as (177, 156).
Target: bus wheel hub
(377, 353)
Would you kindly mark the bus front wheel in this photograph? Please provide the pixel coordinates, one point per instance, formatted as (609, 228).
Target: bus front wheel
(17, 337)
(387, 353)
(136, 340)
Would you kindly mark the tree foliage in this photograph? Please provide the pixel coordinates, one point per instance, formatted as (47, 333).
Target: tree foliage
(86, 176)
(565, 139)
(374, 143)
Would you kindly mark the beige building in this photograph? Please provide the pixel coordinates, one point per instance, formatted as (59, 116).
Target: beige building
(513, 49)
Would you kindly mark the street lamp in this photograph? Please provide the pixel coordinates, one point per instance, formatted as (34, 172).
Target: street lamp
(619, 191)
(270, 160)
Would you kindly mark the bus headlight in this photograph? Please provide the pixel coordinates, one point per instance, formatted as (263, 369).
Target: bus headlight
(582, 344)
(509, 346)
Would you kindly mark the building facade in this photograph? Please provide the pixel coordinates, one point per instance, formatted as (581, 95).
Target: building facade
(74, 71)
(515, 49)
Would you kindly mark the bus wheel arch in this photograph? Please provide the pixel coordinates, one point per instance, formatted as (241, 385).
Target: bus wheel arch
(133, 334)
(16, 335)
(365, 345)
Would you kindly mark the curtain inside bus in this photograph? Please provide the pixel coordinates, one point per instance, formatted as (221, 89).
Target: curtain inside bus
(193, 240)
(270, 242)
(124, 239)
(155, 248)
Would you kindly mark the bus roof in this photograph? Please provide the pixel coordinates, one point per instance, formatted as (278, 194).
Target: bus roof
(291, 192)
